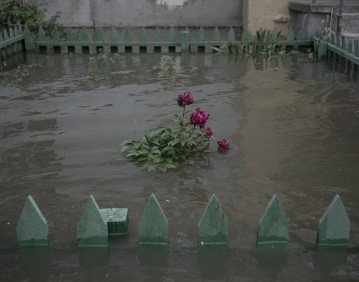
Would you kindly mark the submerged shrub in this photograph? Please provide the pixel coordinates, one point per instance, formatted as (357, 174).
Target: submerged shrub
(164, 148)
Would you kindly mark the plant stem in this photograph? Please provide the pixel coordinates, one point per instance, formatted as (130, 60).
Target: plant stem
(194, 127)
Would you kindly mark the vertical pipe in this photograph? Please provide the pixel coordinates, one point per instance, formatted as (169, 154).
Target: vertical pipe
(340, 13)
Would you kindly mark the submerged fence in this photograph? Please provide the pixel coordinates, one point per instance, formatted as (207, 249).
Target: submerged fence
(173, 40)
(155, 40)
(97, 225)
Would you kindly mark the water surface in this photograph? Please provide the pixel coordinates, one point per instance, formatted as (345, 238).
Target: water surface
(293, 124)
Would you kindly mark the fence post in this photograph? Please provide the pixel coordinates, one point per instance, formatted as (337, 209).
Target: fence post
(32, 227)
(153, 226)
(213, 226)
(27, 39)
(92, 229)
(334, 226)
(184, 40)
(273, 225)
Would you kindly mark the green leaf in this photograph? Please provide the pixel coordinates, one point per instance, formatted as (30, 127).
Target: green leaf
(125, 148)
(152, 167)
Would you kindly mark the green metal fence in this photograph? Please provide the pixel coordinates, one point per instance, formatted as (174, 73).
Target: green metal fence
(345, 49)
(11, 42)
(173, 40)
(97, 225)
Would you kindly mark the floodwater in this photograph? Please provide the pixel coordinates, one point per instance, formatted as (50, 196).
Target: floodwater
(294, 129)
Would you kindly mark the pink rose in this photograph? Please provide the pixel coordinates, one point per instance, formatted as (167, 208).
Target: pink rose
(223, 145)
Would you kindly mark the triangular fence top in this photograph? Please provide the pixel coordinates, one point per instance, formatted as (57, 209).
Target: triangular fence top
(273, 225)
(92, 228)
(334, 226)
(32, 227)
(153, 227)
(213, 226)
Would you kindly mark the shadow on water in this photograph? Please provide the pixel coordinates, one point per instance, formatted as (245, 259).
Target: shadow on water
(272, 259)
(212, 261)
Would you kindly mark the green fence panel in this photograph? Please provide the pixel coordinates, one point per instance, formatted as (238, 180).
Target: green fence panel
(92, 229)
(18, 30)
(184, 40)
(55, 35)
(127, 36)
(84, 37)
(114, 36)
(213, 225)
(71, 36)
(351, 46)
(99, 34)
(332, 39)
(6, 35)
(157, 35)
(41, 36)
(345, 44)
(32, 227)
(29, 45)
(216, 36)
(11, 32)
(201, 35)
(172, 35)
(303, 34)
(340, 41)
(143, 37)
(153, 226)
(231, 36)
(273, 225)
(334, 226)
(290, 35)
(1, 38)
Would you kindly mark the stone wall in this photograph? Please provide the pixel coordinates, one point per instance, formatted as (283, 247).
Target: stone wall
(136, 13)
(267, 14)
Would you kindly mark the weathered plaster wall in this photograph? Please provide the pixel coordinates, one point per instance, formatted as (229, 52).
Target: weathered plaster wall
(145, 12)
(265, 13)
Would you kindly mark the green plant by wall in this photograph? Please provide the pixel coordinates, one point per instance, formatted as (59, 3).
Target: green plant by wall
(15, 12)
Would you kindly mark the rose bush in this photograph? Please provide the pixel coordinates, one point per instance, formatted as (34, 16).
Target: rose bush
(164, 148)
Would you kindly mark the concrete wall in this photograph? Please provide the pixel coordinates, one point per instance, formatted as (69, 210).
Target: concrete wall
(267, 14)
(145, 12)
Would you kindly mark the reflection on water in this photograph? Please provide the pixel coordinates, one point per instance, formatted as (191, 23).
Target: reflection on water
(293, 126)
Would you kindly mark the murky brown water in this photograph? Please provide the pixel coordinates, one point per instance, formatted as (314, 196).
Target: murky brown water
(295, 129)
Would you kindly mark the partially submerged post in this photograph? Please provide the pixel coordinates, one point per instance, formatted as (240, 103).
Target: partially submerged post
(92, 229)
(185, 41)
(273, 225)
(97, 224)
(153, 227)
(213, 226)
(334, 226)
(32, 229)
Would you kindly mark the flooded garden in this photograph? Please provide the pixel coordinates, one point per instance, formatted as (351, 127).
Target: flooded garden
(293, 127)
